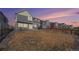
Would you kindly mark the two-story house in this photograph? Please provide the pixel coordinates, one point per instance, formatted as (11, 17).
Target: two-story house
(24, 20)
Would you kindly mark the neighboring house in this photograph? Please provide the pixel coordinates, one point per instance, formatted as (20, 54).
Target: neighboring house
(36, 23)
(70, 27)
(65, 26)
(45, 24)
(53, 25)
(61, 26)
(40, 27)
(3, 24)
(24, 20)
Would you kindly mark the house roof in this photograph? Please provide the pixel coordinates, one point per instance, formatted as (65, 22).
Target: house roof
(23, 16)
(3, 17)
(36, 19)
(23, 11)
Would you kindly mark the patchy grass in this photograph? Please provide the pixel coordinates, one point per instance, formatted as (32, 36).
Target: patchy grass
(41, 40)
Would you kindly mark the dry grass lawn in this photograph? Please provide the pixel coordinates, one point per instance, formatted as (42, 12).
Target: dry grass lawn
(41, 40)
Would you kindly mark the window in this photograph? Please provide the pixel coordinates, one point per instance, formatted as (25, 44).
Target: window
(26, 25)
(22, 25)
(22, 18)
(30, 26)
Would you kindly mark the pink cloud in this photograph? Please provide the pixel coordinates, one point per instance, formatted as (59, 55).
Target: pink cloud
(12, 22)
(60, 14)
(76, 24)
(57, 16)
(68, 22)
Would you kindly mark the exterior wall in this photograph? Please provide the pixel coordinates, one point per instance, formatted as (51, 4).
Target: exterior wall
(3, 25)
(21, 18)
(52, 25)
(30, 18)
(30, 26)
(25, 13)
(0, 25)
(24, 20)
(35, 26)
(45, 24)
(39, 23)
(36, 23)
(61, 26)
(22, 25)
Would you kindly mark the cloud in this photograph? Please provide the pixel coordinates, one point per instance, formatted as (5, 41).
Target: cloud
(12, 22)
(70, 16)
(69, 12)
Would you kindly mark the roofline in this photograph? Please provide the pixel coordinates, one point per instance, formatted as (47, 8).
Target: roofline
(36, 18)
(23, 11)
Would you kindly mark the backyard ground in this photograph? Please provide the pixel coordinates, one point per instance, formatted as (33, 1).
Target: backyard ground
(38, 40)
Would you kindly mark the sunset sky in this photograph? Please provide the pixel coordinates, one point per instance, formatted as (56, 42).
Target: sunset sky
(62, 15)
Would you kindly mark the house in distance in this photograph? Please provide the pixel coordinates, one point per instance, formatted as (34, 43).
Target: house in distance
(36, 23)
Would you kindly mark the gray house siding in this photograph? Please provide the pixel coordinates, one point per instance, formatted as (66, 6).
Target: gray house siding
(3, 26)
(45, 24)
(3, 21)
(24, 20)
(36, 23)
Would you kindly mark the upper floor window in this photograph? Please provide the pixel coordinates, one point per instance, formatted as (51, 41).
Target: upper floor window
(22, 18)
